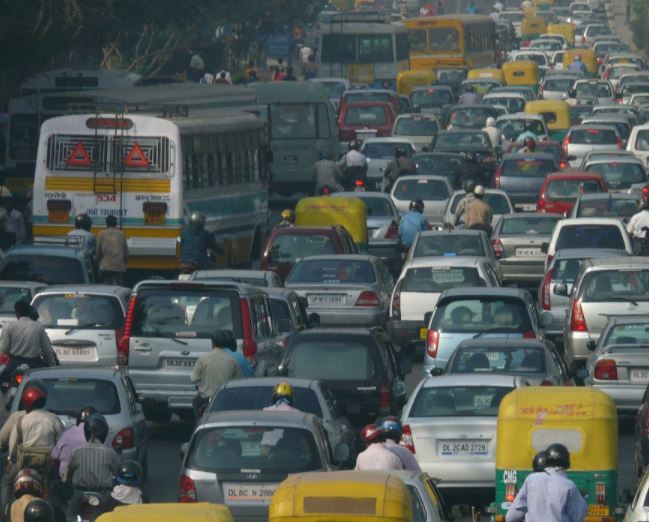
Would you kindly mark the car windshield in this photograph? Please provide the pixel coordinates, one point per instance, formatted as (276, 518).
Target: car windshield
(498, 359)
(557, 84)
(52, 270)
(483, 315)
(459, 401)
(449, 245)
(512, 104)
(365, 116)
(438, 164)
(497, 202)
(473, 117)
(431, 97)
(615, 285)
(590, 236)
(263, 449)
(384, 149)
(286, 248)
(593, 137)
(10, 294)
(457, 139)
(439, 278)
(424, 189)
(518, 226)
(258, 397)
(69, 395)
(607, 207)
(185, 312)
(332, 272)
(620, 175)
(340, 360)
(569, 189)
(527, 167)
(415, 127)
(78, 310)
(632, 333)
(512, 128)
(597, 89)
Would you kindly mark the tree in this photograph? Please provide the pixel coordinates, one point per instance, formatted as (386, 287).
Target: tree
(640, 23)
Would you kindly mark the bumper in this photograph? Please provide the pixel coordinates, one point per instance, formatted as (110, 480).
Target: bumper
(343, 317)
(173, 397)
(575, 347)
(529, 271)
(525, 202)
(464, 475)
(627, 397)
(404, 333)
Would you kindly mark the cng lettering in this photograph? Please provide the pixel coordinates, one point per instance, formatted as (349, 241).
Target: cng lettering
(509, 476)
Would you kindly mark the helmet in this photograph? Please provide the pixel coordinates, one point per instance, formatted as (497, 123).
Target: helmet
(468, 88)
(83, 221)
(130, 473)
(491, 122)
(197, 218)
(85, 413)
(39, 510)
(469, 185)
(401, 152)
(478, 191)
(391, 428)
(283, 391)
(577, 58)
(557, 456)
(354, 145)
(530, 143)
(324, 154)
(28, 482)
(95, 426)
(287, 215)
(417, 205)
(371, 433)
(33, 398)
(470, 157)
(539, 461)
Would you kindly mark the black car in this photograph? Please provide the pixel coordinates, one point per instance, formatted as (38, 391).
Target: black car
(480, 159)
(447, 164)
(359, 366)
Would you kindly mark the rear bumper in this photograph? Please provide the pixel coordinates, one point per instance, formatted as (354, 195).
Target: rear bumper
(465, 475)
(405, 333)
(347, 317)
(523, 269)
(172, 397)
(524, 201)
(627, 397)
(576, 351)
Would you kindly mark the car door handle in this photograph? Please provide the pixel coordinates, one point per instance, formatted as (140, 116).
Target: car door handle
(142, 348)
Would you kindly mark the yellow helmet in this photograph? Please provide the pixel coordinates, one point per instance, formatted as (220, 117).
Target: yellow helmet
(287, 215)
(283, 390)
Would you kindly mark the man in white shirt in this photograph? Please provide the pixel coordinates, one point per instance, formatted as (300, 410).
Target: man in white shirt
(639, 221)
(376, 456)
(392, 431)
(495, 136)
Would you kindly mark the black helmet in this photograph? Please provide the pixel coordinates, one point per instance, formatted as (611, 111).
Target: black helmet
(469, 185)
(401, 152)
(469, 88)
(557, 456)
(38, 510)
(85, 413)
(470, 157)
(417, 205)
(539, 462)
(130, 473)
(354, 145)
(95, 426)
(83, 221)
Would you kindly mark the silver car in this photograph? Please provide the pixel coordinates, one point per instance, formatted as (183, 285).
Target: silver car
(264, 278)
(238, 458)
(627, 175)
(605, 287)
(419, 129)
(581, 139)
(434, 191)
(289, 312)
(379, 153)
(84, 322)
(606, 204)
(12, 291)
(498, 200)
(344, 290)
(619, 363)
(69, 390)
(557, 86)
(621, 122)
(600, 89)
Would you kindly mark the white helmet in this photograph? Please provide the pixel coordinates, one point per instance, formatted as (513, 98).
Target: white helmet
(498, 7)
(491, 121)
(478, 190)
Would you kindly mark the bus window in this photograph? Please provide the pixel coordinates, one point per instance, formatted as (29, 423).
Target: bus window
(293, 121)
(403, 47)
(418, 40)
(443, 39)
(338, 48)
(374, 48)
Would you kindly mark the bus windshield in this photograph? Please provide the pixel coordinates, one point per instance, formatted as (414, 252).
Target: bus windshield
(443, 39)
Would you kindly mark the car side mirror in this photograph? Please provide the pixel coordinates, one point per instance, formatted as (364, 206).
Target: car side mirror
(545, 247)
(341, 453)
(436, 372)
(427, 317)
(546, 319)
(591, 345)
(626, 497)
(184, 447)
(314, 320)
(561, 289)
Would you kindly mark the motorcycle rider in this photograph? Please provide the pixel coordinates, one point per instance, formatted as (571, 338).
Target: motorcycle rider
(282, 398)
(577, 65)
(93, 465)
(327, 173)
(353, 164)
(469, 96)
(82, 226)
(478, 215)
(376, 455)
(288, 218)
(495, 136)
(539, 462)
(412, 223)
(529, 146)
(127, 491)
(638, 225)
(527, 133)
(28, 486)
(392, 431)
(195, 242)
(469, 197)
(400, 166)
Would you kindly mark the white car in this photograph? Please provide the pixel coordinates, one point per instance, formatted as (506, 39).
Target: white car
(380, 152)
(434, 191)
(419, 129)
(512, 102)
(638, 143)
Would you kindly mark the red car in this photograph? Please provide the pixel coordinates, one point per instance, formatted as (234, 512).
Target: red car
(547, 147)
(561, 190)
(369, 95)
(360, 116)
(286, 244)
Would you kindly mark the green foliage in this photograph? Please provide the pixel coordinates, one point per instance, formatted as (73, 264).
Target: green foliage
(640, 23)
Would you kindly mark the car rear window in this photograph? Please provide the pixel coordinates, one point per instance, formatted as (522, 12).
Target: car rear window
(10, 294)
(527, 167)
(377, 207)
(289, 247)
(346, 360)
(501, 359)
(626, 285)
(254, 281)
(385, 149)
(186, 312)
(365, 116)
(437, 279)
(453, 139)
(458, 401)
(607, 207)
(78, 310)
(597, 89)
(256, 447)
(282, 315)
(633, 333)
(473, 117)
(593, 137)
(449, 245)
(52, 270)
(258, 397)
(510, 103)
(569, 189)
(425, 189)
(415, 127)
(619, 175)
(332, 271)
(354, 97)
(67, 396)
(431, 97)
(590, 236)
(516, 226)
(486, 315)
(558, 84)
(439, 165)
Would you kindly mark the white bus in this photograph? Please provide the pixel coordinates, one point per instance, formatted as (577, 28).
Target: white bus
(152, 173)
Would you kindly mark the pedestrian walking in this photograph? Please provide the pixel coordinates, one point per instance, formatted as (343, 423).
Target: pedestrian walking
(112, 253)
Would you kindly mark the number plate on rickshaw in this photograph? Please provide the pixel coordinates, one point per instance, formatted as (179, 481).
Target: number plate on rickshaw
(423, 333)
(462, 447)
(598, 509)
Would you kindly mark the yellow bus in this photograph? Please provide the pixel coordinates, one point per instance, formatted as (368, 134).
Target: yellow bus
(451, 41)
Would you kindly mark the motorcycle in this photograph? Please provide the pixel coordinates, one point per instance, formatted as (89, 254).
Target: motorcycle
(9, 388)
(93, 505)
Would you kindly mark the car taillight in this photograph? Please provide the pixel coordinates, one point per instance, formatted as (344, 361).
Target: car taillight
(187, 490)
(566, 142)
(249, 344)
(124, 439)
(396, 301)
(645, 192)
(497, 247)
(432, 343)
(620, 143)
(384, 399)
(547, 382)
(368, 298)
(564, 165)
(393, 231)
(325, 191)
(4, 358)
(406, 438)
(359, 183)
(540, 204)
(605, 370)
(577, 319)
(496, 183)
(529, 334)
(125, 339)
(545, 291)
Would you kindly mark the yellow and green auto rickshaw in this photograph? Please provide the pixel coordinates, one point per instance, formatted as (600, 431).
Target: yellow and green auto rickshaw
(556, 114)
(487, 73)
(532, 27)
(583, 419)
(566, 30)
(521, 72)
(325, 211)
(588, 57)
(172, 512)
(341, 496)
(406, 80)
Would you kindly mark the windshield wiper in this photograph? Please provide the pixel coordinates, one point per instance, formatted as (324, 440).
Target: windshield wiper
(82, 326)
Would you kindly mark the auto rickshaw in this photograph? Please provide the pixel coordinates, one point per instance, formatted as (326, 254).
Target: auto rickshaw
(172, 512)
(406, 80)
(488, 73)
(521, 72)
(556, 114)
(349, 496)
(566, 30)
(588, 57)
(482, 85)
(321, 211)
(532, 27)
(583, 419)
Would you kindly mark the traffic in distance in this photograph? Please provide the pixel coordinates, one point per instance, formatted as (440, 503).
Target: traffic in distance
(399, 274)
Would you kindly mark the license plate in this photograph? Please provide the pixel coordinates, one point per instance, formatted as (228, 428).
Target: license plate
(639, 375)
(75, 354)
(462, 447)
(154, 219)
(423, 333)
(236, 493)
(179, 363)
(527, 207)
(598, 509)
(529, 252)
(326, 299)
